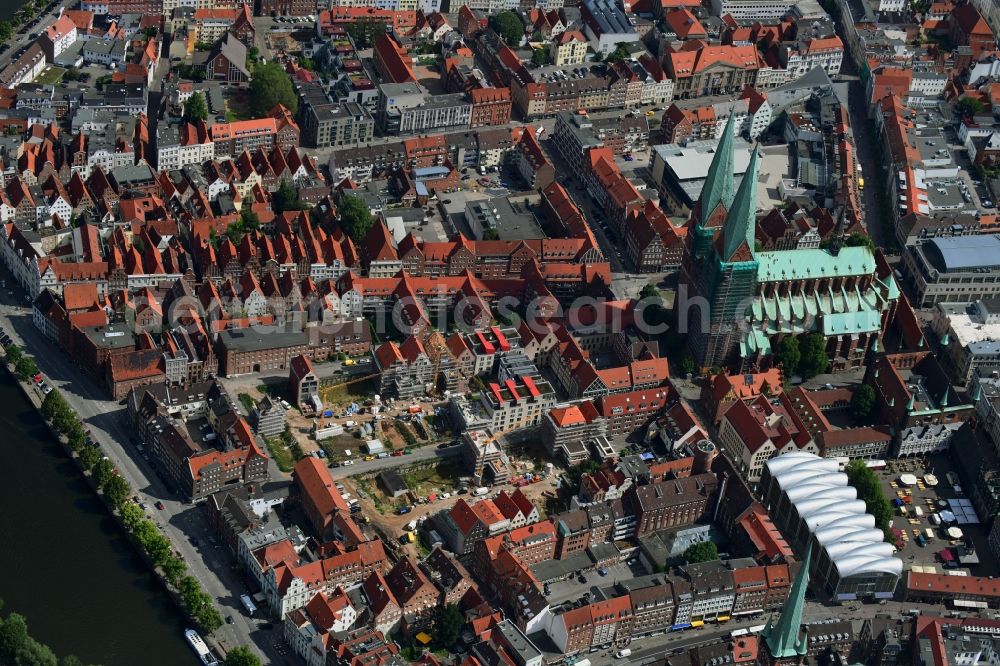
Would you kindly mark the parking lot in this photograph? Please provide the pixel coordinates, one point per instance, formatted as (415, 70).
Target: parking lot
(572, 588)
(926, 498)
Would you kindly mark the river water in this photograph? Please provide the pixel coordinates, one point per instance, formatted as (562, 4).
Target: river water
(64, 563)
(9, 7)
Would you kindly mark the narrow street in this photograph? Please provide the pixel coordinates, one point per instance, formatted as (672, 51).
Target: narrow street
(181, 522)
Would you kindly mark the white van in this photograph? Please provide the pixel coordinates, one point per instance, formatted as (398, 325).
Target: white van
(621, 654)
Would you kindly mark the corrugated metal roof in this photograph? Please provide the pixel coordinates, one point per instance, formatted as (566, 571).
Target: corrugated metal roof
(964, 252)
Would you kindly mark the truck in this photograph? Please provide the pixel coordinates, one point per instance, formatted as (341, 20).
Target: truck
(480, 491)
(248, 604)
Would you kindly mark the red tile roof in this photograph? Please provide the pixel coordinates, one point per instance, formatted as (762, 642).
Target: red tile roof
(315, 484)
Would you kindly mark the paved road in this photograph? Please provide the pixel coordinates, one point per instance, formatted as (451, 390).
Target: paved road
(209, 563)
(37, 24)
(652, 649)
(418, 455)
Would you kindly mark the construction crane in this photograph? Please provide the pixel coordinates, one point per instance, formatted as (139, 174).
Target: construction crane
(349, 382)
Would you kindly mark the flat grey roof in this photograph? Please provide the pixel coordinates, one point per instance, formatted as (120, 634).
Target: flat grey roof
(116, 336)
(960, 253)
(250, 339)
(552, 569)
(609, 16)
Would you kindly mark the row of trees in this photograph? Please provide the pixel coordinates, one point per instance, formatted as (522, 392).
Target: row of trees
(866, 483)
(807, 358)
(196, 602)
(18, 647)
(24, 365)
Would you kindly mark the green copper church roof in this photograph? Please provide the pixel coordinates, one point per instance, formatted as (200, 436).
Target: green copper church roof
(718, 187)
(785, 639)
(864, 321)
(814, 263)
(742, 218)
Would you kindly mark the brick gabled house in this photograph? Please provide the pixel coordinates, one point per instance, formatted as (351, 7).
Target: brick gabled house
(227, 61)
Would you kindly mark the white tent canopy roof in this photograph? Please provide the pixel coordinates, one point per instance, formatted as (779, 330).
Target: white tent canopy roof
(831, 511)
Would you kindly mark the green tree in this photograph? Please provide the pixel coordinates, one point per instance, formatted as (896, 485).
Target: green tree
(18, 648)
(448, 625)
(6, 30)
(173, 569)
(541, 57)
(574, 474)
(858, 239)
(195, 108)
(286, 198)
(89, 456)
(686, 364)
(53, 404)
(307, 64)
(814, 360)
(269, 87)
(788, 355)
(355, 217)
(25, 368)
(509, 27)
(704, 551)
(65, 421)
(132, 515)
(491, 234)
(620, 53)
(866, 483)
(862, 402)
(208, 617)
(75, 436)
(241, 656)
(364, 32)
(249, 220)
(969, 106)
(102, 471)
(117, 490)
(649, 291)
(13, 353)
(189, 591)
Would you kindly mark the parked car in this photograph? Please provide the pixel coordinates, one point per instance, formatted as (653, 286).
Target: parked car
(403, 510)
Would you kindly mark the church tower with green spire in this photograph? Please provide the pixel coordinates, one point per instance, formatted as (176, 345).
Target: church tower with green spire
(786, 642)
(719, 265)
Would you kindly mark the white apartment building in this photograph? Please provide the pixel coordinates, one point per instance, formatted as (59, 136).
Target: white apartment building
(922, 440)
(60, 36)
(824, 52)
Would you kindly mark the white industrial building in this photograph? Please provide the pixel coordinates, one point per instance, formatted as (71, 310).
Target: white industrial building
(814, 507)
